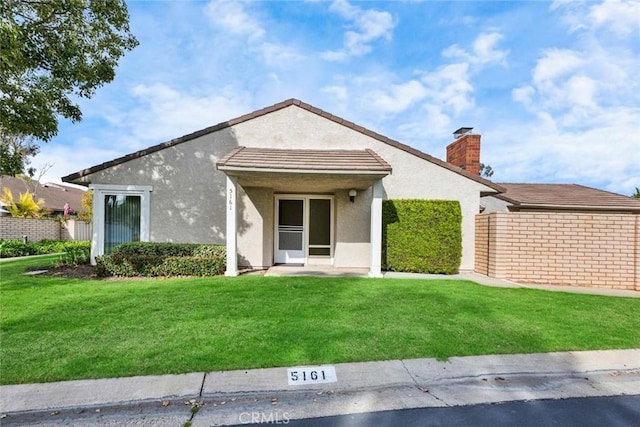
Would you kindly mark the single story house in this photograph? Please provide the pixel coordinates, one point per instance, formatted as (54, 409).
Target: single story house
(289, 183)
(54, 196)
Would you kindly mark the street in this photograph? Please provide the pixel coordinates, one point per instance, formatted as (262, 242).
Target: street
(615, 411)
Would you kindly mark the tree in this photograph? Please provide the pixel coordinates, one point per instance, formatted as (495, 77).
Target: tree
(87, 205)
(486, 171)
(52, 51)
(15, 153)
(24, 207)
(636, 195)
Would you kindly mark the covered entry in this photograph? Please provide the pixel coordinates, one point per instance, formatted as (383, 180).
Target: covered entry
(304, 184)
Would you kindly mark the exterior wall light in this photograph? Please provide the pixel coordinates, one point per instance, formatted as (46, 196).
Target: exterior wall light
(352, 195)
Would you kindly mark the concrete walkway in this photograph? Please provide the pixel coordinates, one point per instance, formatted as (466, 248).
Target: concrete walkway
(225, 397)
(328, 271)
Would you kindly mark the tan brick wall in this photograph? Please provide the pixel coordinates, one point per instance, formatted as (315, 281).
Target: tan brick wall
(43, 229)
(560, 248)
(34, 229)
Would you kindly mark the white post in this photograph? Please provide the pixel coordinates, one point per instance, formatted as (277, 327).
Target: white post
(376, 230)
(232, 228)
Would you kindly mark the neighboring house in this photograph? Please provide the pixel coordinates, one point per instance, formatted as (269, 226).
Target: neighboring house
(286, 184)
(560, 234)
(54, 195)
(557, 197)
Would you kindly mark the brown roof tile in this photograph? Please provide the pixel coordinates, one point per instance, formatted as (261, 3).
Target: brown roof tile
(565, 195)
(309, 160)
(54, 195)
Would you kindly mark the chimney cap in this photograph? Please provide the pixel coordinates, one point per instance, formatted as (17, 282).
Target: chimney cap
(461, 132)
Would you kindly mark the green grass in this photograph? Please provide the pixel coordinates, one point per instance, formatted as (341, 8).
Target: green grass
(60, 329)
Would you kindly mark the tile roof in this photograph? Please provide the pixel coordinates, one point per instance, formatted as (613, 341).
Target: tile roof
(268, 159)
(564, 196)
(54, 195)
(267, 110)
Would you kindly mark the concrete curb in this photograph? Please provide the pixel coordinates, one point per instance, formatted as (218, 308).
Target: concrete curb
(396, 383)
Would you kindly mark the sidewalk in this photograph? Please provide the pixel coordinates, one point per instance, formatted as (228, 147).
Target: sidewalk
(222, 397)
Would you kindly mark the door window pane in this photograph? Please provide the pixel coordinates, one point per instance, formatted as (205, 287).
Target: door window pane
(320, 222)
(291, 212)
(121, 220)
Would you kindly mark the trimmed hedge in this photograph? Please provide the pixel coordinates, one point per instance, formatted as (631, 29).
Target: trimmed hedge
(163, 259)
(421, 236)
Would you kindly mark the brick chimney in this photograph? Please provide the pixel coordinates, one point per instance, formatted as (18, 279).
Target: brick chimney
(464, 152)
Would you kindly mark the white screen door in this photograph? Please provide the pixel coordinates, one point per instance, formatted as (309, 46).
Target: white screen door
(290, 238)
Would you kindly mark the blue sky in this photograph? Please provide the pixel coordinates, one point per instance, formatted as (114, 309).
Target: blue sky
(552, 87)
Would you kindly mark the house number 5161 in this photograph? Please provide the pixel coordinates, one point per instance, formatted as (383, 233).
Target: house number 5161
(311, 375)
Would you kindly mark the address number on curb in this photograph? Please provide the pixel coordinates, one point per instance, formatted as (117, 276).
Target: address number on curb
(311, 375)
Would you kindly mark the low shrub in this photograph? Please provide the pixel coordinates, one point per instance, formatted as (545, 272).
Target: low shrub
(16, 248)
(76, 253)
(162, 259)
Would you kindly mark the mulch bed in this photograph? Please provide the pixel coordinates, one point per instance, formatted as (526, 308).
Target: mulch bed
(71, 272)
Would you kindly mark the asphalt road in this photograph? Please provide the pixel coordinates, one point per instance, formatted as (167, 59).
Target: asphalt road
(615, 411)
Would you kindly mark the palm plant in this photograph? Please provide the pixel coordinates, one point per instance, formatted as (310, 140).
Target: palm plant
(24, 207)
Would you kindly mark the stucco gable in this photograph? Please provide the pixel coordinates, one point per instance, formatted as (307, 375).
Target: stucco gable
(486, 186)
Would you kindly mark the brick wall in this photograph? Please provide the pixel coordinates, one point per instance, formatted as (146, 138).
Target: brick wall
(43, 229)
(560, 248)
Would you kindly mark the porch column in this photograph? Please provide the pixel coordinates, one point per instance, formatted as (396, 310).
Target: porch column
(232, 227)
(376, 230)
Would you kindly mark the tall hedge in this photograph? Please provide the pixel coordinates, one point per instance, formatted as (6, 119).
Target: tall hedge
(422, 236)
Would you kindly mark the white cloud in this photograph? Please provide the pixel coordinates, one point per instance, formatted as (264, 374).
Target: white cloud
(397, 98)
(165, 113)
(367, 26)
(622, 18)
(483, 50)
(617, 17)
(554, 64)
(585, 97)
(232, 16)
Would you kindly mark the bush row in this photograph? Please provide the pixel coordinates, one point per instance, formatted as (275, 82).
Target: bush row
(15, 248)
(422, 236)
(162, 259)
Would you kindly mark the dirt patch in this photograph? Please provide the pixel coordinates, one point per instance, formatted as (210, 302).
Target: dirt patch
(72, 272)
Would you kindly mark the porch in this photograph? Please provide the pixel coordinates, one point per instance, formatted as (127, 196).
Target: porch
(297, 199)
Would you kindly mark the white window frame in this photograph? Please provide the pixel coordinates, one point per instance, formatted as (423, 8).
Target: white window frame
(101, 190)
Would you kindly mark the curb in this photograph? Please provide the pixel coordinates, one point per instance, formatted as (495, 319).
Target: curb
(414, 382)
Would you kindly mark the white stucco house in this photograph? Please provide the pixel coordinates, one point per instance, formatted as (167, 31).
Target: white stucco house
(289, 183)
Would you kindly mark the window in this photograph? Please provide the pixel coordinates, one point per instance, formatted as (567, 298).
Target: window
(121, 220)
(120, 215)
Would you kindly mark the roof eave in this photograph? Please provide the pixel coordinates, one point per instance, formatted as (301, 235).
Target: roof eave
(304, 171)
(577, 207)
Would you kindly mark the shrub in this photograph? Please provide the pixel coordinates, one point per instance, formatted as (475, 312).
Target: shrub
(15, 248)
(422, 236)
(163, 259)
(76, 253)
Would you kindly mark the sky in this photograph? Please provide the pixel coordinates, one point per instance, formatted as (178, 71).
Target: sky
(552, 87)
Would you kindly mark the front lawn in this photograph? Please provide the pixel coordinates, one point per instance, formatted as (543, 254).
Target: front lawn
(60, 329)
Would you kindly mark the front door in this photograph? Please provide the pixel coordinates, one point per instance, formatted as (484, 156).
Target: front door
(290, 236)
